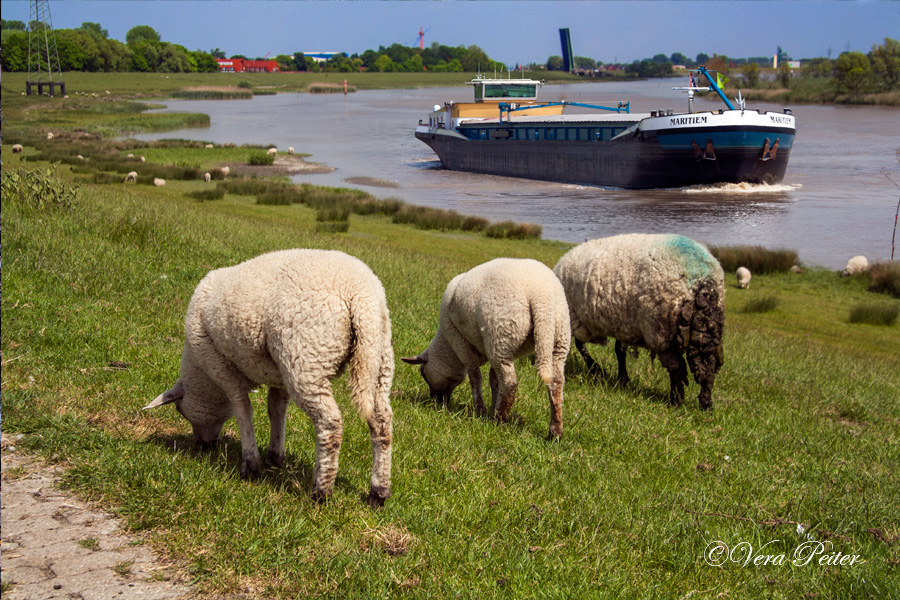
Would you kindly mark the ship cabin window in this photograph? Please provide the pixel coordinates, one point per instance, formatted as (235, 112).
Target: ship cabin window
(522, 91)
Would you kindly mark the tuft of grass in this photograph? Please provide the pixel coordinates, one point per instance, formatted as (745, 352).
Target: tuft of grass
(885, 277)
(875, 313)
(758, 259)
(216, 193)
(261, 158)
(333, 226)
(319, 87)
(516, 231)
(333, 213)
(762, 304)
(90, 543)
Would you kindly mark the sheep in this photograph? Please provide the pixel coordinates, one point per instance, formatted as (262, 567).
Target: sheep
(225, 171)
(272, 151)
(857, 264)
(132, 176)
(142, 159)
(49, 135)
(207, 177)
(129, 156)
(495, 313)
(79, 157)
(743, 277)
(159, 182)
(665, 293)
(208, 146)
(18, 149)
(290, 149)
(292, 320)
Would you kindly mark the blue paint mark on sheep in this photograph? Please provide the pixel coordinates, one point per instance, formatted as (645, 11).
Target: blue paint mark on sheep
(696, 260)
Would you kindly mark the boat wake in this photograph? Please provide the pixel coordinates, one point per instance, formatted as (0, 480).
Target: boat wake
(740, 188)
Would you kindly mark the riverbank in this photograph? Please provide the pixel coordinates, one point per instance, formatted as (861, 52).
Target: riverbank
(803, 437)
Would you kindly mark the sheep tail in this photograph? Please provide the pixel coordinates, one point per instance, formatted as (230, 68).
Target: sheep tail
(705, 352)
(545, 337)
(371, 357)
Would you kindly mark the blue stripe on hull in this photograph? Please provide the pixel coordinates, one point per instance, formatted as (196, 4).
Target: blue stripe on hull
(723, 138)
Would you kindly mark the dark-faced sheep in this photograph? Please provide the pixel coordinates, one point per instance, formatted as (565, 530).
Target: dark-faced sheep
(665, 293)
(495, 313)
(291, 320)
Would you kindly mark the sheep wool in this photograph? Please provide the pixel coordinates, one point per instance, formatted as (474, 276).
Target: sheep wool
(743, 277)
(495, 313)
(292, 320)
(665, 293)
(857, 264)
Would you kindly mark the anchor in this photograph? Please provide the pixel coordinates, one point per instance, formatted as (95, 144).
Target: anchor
(769, 153)
(701, 154)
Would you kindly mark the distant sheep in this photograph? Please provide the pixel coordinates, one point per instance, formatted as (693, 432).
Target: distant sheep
(208, 146)
(132, 176)
(225, 171)
(17, 149)
(857, 264)
(292, 320)
(272, 151)
(290, 149)
(743, 277)
(665, 293)
(159, 182)
(142, 159)
(129, 156)
(207, 177)
(79, 157)
(495, 313)
(49, 135)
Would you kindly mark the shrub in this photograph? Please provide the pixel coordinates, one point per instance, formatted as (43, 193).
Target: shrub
(761, 305)
(333, 227)
(758, 259)
(216, 193)
(260, 158)
(875, 313)
(885, 277)
(38, 189)
(334, 213)
(509, 229)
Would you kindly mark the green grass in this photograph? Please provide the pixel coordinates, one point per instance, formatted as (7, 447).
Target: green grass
(761, 304)
(758, 259)
(875, 313)
(804, 429)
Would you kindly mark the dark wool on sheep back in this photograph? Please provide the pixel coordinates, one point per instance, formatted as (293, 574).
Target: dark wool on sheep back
(665, 293)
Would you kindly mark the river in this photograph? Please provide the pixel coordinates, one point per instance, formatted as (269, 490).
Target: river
(834, 202)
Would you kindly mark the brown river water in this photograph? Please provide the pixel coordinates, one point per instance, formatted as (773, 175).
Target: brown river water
(833, 203)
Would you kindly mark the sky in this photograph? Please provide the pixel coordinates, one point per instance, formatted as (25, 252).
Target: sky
(521, 32)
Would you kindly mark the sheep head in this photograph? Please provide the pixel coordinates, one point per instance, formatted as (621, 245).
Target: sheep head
(441, 382)
(205, 407)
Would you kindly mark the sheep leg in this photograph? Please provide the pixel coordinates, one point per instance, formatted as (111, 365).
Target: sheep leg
(381, 431)
(622, 377)
(593, 366)
(555, 391)
(251, 464)
(673, 361)
(477, 397)
(276, 403)
(506, 391)
(317, 401)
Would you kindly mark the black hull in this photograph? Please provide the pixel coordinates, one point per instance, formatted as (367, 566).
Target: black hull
(631, 163)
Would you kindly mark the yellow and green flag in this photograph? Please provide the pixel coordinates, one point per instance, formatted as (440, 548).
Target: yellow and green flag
(721, 81)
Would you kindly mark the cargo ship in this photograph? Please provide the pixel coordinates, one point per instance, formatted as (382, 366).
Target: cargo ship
(507, 131)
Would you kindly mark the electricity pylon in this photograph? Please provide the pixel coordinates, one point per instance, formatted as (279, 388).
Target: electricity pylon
(43, 59)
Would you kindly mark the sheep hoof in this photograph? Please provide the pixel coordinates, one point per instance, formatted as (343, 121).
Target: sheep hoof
(250, 469)
(377, 496)
(275, 459)
(320, 496)
(554, 436)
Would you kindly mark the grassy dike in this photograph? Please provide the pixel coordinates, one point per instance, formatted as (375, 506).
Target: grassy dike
(628, 504)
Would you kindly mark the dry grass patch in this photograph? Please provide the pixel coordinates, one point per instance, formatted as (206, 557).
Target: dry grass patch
(396, 540)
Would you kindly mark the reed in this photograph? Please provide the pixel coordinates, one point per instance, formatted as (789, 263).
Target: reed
(512, 230)
(260, 158)
(216, 193)
(875, 313)
(214, 93)
(884, 277)
(758, 259)
(319, 87)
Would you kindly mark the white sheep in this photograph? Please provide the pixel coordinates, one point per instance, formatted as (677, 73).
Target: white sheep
(495, 313)
(290, 149)
(79, 157)
(132, 176)
(661, 292)
(272, 151)
(142, 159)
(208, 146)
(17, 149)
(225, 171)
(49, 135)
(207, 177)
(159, 182)
(129, 156)
(857, 264)
(743, 277)
(291, 320)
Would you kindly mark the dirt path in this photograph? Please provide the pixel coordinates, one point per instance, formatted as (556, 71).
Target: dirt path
(56, 546)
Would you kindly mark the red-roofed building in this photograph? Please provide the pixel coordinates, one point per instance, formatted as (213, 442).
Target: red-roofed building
(240, 65)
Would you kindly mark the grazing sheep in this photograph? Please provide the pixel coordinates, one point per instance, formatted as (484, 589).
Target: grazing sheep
(665, 293)
(159, 182)
(225, 171)
(207, 177)
(857, 264)
(142, 159)
(498, 311)
(290, 149)
(208, 146)
(49, 135)
(132, 176)
(292, 320)
(743, 277)
(796, 270)
(272, 151)
(18, 149)
(129, 156)
(79, 157)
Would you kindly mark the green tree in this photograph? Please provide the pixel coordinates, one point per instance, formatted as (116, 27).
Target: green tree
(784, 74)
(141, 33)
(817, 67)
(12, 25)
(885, 60)
(216, 53)
(852, 72)
(14, 57)
(555, 63)
(384, 64)
(476, 59)
(751, 75)
(206, 63)
(95, 31)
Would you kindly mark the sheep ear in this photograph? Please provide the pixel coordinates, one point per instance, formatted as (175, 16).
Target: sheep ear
(416, 360)
(169, 396)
